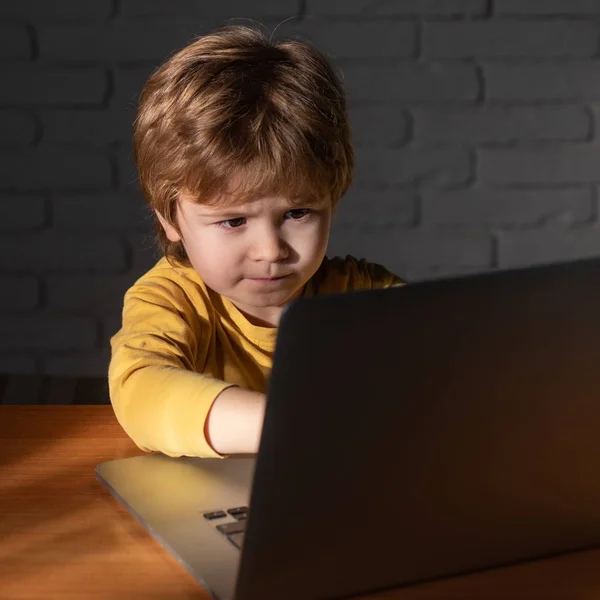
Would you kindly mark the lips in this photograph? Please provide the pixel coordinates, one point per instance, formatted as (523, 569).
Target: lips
(267, 278)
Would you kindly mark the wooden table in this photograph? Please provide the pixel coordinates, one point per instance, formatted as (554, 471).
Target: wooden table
(63, 536)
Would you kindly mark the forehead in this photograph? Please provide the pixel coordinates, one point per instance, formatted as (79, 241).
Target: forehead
(232, 202)
(255, 183)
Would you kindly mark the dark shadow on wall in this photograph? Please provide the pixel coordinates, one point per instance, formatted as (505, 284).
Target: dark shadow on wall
(34, 390)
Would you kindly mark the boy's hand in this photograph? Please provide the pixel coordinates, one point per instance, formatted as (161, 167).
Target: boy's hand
(234, 423)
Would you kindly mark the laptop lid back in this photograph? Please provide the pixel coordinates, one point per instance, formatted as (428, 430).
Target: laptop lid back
(427, 430)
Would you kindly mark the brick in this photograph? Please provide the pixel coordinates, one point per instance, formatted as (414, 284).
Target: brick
(127, 172)
(46, 86)
(359, 40)
(52, 251)
(516, 249)
(55, 169)
(93, 127)
(59, 390)
(23, 390)
(46, 332)
(369, 210)
(417, 254)
(546, 7)
(559, 164)
(59, 10)
(507, 208)
(530, 82)
(14, 42)
(145, 252)
(93, 390)
(16, 365)
(117, 41)
(16, 128)
(377, 83)
(21, 212)
(496, 39)
(129, 83)
(89, 363)
(20, 293)
(111, 325)
(396, 7)
(502, 124)
(89, 295)
(200, 9)
(381, 125)
(101, 211)
(441, 166)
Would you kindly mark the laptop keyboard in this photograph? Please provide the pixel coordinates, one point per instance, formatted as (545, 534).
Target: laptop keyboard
(234, 531)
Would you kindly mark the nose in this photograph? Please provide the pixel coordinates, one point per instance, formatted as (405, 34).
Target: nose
(269, 246)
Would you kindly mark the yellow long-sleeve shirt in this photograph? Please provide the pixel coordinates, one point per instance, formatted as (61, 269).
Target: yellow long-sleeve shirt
(182, 344)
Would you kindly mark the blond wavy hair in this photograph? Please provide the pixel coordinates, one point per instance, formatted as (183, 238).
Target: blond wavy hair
(233, 105)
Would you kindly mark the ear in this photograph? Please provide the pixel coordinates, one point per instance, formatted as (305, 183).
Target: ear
(172, 233)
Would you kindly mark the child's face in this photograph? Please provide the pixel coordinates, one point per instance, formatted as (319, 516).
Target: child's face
(258, 254)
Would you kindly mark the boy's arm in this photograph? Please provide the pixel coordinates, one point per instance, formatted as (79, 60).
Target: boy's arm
(158, 398)
(234, 423)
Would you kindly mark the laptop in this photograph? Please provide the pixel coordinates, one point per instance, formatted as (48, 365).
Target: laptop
(410, 433)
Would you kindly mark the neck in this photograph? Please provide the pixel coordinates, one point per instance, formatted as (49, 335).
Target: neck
(261, 317)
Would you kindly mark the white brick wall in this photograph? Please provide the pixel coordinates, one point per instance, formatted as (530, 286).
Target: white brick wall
(474, 121)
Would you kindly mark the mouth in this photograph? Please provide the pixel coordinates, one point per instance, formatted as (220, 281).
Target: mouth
(267, 279)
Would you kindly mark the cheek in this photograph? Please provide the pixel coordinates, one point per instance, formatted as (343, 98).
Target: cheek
(200, 250)
(193, 246)
(315, 231)
(322, 233)
(218, 253)
(311, 244)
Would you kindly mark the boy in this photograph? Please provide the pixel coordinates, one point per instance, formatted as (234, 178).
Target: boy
(243, 151)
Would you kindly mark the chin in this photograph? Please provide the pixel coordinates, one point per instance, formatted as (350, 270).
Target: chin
(275, 298)
(268, 300)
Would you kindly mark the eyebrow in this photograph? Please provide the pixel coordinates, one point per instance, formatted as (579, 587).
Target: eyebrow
(242, 211)
(223, 214)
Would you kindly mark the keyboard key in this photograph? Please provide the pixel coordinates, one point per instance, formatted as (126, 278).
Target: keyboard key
(215, 514)
(232, 528)
(242, 516)
(238, 510)
(237, 539)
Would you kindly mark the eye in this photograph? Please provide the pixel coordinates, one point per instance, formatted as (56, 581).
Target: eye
(297, 214)
(232, 223)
